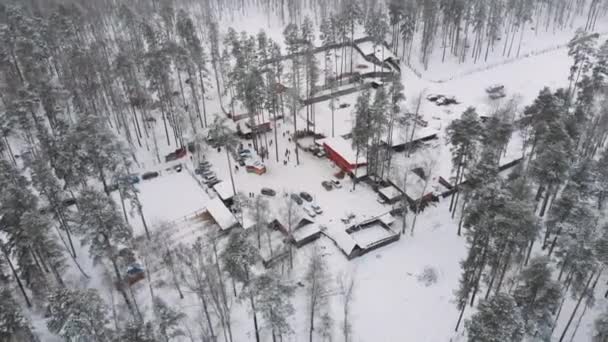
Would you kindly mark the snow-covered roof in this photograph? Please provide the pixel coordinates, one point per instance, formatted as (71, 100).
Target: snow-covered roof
(415, 185)
(305, 231)
(371, 235)
(387, 219)
(367, 47)
(390, 192)
(224, 190)
(345, 149)
(342, 239)
(222, 216)
(248, 221)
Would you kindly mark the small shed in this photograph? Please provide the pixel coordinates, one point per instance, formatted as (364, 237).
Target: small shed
(221, 215)
(305, 234)
(225, 192)
(343, 241)
(297, 222)
(373, 233)
(391, 194)
(342, 153)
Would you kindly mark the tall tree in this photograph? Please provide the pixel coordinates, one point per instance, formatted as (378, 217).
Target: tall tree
(103, 229)
(77, 314)
(498, 319)
(318, 279)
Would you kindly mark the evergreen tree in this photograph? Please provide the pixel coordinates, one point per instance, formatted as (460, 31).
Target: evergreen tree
(463, 135)
(239, 256)
(318, 279)
(78, 314)
(538, 296)
(273, 298)
(362, 130)
(137, 332)
(168, 320)
(104, 231)
(496, 320)
(13, 324)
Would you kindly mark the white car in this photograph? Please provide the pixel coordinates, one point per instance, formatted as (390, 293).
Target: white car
(317, 209)
(310, 212)
(336, 184)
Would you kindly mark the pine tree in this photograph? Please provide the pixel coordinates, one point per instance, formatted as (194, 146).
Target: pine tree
(49, 188)
(378, 121)
(582, 49)
(601, 328)
(463, 135)
(538, 296)
(13, 324)
(104, 231)
(496, 320)
(78, 314)
(273, 298)
(551, 164)
(239, 256)
(318, 279)
(168, 320)
(361, 132)
(221, 135)
(137, 332)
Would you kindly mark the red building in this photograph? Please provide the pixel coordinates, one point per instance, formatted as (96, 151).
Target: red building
(342, 153)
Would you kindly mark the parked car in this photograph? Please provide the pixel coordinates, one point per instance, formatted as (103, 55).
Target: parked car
(433, 97)
(306, 196)
(131, 179)
(297, 199)
(310, 212)
(149, 175)
(69, 202)
(321, 153)
(268, 192)
(178, 168)
(245, 153)
(191, 147)
(209, 178)
(327, 185)
(348, 218)
(316, 208)
(177, 154)
(377, 84)
(208, 173)
(212, 183)
(446, 101)
(336, 184)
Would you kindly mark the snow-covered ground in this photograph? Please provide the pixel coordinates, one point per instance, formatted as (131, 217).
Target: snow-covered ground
(391, 303)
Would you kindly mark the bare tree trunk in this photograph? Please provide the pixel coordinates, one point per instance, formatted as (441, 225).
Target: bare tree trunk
(578, 303)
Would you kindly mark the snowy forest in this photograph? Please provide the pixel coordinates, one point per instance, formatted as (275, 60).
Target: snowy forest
(448, 180)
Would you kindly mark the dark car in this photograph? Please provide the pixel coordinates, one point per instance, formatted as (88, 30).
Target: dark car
(268, 192)
(327, 185)
(69, 202)
(306, 196)
(213, 182)
(202, 167)
(149, 175)
(297, 199)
